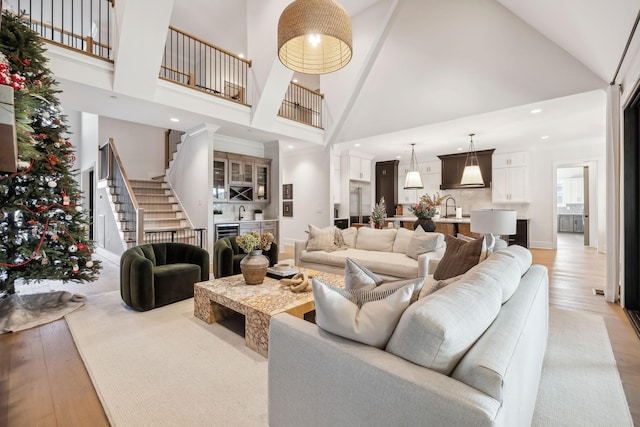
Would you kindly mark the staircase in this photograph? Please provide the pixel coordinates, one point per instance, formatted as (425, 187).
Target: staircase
(162, 212)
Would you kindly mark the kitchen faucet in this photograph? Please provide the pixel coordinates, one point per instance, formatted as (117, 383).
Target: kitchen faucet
(446, 207)
(240, 209)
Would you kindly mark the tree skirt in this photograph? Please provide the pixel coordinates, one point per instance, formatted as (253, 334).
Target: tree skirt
(19, 312)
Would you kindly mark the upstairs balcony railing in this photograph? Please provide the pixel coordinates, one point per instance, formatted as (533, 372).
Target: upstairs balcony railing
(84, 25)
(302, 105)
(196, 63)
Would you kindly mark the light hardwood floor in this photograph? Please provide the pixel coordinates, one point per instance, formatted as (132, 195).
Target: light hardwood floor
(43, 381)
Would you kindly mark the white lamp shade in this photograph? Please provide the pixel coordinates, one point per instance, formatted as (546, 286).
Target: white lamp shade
(471, 176)
(413, 181)
(493, 221)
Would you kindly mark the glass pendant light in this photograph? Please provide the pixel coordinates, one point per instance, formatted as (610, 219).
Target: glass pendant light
(471, 176)
(413, 181)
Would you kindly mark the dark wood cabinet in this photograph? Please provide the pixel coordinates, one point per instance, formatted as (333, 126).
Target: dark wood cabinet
(387, 184)
(522, 234)
(453, 166)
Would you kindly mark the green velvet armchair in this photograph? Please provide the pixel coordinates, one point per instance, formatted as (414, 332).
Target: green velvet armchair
(227, 256)
(157, 274)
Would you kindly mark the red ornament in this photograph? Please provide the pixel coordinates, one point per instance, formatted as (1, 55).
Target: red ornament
(54, 237)
(68, 143)
(26, 62)
(82, 246)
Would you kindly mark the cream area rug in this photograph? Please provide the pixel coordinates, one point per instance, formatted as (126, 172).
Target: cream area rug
(580, 383)
(164, 367)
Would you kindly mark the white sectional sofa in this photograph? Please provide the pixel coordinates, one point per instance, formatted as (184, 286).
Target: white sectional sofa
(469, 354)
(388, 252)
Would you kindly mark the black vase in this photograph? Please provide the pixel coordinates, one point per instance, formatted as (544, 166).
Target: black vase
(427, 224)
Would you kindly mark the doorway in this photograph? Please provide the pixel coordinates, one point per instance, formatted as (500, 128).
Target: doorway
(572, 205)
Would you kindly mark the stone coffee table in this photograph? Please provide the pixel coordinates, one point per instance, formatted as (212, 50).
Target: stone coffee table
(214, 298)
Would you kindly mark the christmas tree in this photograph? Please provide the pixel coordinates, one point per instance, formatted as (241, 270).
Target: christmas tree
(43, 229)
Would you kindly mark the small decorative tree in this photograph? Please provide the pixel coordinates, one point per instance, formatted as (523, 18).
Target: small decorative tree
(43, 229)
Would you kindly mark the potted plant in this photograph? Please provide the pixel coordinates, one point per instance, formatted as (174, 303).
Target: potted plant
(257, 214)
(378, 214)
(254, 265)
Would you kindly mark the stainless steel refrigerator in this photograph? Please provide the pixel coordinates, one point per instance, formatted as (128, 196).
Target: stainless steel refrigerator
(359, 201)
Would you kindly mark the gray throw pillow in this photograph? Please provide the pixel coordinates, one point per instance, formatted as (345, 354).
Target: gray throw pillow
(359, 277)
(458, 258)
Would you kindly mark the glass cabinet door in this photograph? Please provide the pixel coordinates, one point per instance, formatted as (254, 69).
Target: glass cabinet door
(235, 172)
(220, 179)
(262, 183)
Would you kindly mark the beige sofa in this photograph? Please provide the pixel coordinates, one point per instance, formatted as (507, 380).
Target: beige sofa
(469, 354)
(388, 252)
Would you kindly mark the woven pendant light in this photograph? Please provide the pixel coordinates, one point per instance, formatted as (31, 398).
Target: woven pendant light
(314, 36)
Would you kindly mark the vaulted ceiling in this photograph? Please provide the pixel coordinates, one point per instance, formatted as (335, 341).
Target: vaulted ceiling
(432, 71)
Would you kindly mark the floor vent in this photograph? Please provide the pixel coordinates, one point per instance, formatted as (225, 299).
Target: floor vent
(634, 318)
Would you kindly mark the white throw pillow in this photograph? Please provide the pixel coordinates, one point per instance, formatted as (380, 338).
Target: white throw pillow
(423, 241)
(359, 277)
(403, 237)
(366, 316)
(372, 239)
(349, 236)
(321, 239)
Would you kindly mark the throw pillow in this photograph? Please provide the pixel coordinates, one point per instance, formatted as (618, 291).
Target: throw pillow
(371, 239)
(422, 242)
(321, 239)
(484, 253)
(436, 285)
(401, 243)
(458, 258)
(418, 284)
(366, 316)
(359, 277)
(349, 236)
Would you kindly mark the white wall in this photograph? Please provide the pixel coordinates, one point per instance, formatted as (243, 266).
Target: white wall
(310, 173)
(135, 142)
(89, 141)
(191, 177)
(543, 162)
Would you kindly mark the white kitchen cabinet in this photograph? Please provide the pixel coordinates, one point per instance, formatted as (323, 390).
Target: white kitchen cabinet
(510, 178)
(359, 169)
(430, 172)
(507, 160)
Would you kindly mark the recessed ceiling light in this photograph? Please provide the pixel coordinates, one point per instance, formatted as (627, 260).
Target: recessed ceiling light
(295, 80)
(536, 111)
(241, 55)
(356, 145)
(459, 149)
(398, 157)
(290, 146)
(174, 119)
(544, 137)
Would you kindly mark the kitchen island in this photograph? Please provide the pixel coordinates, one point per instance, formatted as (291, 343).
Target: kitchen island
(443, 225)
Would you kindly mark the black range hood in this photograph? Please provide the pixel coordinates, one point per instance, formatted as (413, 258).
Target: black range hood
(453, 166)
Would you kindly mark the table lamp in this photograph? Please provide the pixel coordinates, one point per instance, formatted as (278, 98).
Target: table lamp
(491, 222)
